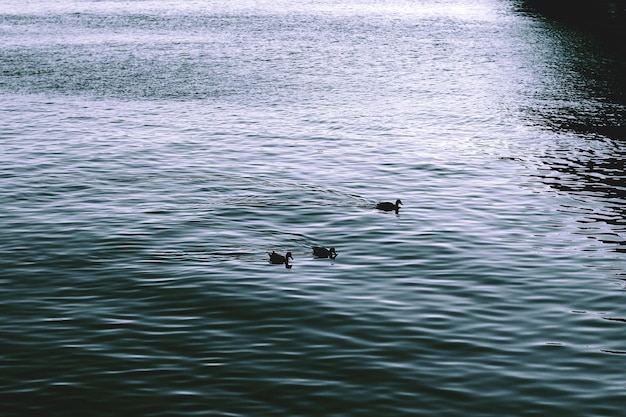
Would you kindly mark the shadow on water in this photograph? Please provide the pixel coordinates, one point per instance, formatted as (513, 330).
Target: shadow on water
(584, 94)
(602, 16)
(592, 37)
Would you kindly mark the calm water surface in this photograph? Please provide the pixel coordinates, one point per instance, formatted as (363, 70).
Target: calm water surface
(154, 151)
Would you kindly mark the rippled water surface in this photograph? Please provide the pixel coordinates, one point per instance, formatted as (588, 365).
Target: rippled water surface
(154, 152)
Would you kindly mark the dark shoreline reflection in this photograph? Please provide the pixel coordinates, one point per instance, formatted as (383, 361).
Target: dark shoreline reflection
(591, 38)
(602, 16)
(585, 95)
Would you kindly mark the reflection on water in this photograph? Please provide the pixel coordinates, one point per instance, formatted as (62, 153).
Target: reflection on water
(586, 99)
(594, 175)
(591, 64)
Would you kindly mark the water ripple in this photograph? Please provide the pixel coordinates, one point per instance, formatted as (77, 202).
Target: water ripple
(154, 153)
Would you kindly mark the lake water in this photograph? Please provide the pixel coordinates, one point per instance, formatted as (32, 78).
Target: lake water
(154, 152)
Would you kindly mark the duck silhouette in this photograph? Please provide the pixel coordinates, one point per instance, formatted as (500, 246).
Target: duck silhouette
(387, 206)
(322, 252)
(276, 258)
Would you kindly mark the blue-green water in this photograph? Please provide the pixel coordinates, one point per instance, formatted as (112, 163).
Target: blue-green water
(153, 152)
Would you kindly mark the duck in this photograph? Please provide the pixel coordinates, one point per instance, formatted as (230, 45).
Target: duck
(276, 258)
(322, 252)
(387, 206)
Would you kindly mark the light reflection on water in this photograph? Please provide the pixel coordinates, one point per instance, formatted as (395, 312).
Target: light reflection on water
(145, 180)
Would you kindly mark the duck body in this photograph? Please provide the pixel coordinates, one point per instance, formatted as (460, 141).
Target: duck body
(322, 252)
(387, 206)
(277, 258)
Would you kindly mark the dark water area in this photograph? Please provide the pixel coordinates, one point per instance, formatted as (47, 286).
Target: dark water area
(154, 152)
(606, 16)
(599, 30)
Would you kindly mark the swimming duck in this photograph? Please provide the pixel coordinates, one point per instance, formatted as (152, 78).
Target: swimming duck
(322, 252)
(276, 258)
(387, 206)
